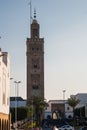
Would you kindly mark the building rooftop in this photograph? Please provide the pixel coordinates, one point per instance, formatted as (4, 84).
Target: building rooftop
(17, 98)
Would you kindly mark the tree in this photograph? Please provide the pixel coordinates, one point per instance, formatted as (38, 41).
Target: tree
(39, 106)
(73, 101)
(21, 113)
(30, 112)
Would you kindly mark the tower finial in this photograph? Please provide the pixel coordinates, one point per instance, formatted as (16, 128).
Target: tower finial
(34, 13)
(30, 3)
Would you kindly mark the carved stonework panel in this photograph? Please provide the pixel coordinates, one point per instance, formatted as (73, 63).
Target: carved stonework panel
(35, 79)
(35, 48)
(35, 63)
(35, 92)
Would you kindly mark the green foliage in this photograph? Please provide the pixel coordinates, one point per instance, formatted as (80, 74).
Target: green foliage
(73, 101)
(31, 124)
(21, 113)
(80, 112)
(30, 112)
(12, 111)
(34, 110)
(39, 106)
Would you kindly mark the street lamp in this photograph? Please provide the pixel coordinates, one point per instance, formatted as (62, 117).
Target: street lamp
(10, 104)
(16, 102)
(64, 94)
(11, 78)
(64, 101)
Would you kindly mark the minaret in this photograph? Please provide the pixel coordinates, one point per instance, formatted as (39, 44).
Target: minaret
(35, 61)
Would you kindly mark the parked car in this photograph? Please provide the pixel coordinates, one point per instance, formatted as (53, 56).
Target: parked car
(83, 128)
(66, 127)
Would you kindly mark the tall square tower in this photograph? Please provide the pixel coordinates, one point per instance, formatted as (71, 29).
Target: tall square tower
(35, 62)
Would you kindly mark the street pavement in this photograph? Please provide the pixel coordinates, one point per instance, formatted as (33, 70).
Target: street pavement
(46, 128)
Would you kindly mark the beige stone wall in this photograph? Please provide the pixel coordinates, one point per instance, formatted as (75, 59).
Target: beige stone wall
(4, 90)
(4, 82)
(4, 122)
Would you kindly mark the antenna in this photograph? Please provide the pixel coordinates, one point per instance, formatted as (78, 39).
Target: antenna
(30, 11)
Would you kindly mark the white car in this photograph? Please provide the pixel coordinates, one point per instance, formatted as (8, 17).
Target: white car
(66, 127)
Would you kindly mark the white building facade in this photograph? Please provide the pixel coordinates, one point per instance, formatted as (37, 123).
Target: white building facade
(83, 101)
(82, 97)
(4, 91)
(58, 106)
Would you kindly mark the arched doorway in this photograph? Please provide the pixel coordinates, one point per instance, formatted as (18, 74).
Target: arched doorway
(54, 115)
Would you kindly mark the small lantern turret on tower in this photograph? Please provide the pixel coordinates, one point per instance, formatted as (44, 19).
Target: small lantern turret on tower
(34, 27)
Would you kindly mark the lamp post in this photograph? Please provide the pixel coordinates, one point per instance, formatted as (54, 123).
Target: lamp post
(16, 102)
(10, 103)
(64, 101)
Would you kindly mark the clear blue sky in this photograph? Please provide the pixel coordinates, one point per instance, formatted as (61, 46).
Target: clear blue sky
(63, 24)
